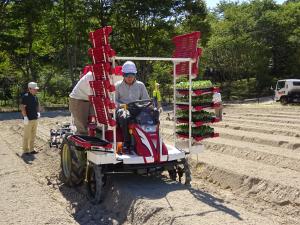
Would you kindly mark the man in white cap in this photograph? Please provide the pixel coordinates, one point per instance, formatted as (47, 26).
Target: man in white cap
(30, 110)
(128, 90)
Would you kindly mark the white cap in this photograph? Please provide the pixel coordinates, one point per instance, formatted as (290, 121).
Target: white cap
(33, 85)
(129, 67)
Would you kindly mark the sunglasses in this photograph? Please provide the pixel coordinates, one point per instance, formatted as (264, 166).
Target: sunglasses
(129, 74)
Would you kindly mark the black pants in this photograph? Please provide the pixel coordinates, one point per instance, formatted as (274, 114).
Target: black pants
(123, 118)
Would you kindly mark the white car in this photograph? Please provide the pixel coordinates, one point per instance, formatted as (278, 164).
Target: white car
(287, 91)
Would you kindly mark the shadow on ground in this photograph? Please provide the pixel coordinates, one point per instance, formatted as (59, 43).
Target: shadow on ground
(129, 194)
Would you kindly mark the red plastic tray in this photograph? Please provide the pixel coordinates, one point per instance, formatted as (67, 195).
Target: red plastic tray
(198, 138)
(183, 67)
(85, 70)
(200, 91)
(101, 71)
(99, 37)
(118, 70)
(88, 141)
(101, 106)
(186, 47)
(101, 54)
(198, 123)
(101, 88)
(197, 108)
(187, 43)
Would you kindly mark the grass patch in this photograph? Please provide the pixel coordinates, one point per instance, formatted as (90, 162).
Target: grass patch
(243, 89)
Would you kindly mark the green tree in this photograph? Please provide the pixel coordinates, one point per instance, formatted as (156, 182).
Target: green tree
(231, 53)
(258, 39)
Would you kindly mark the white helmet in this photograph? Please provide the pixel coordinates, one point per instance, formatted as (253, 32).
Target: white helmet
(129, 67)
(33, 85)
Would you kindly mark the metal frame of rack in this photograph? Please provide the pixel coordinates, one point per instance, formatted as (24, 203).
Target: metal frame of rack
(175, 61)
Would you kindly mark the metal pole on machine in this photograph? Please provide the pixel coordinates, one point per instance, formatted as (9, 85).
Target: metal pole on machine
(175, 61)
(114, 114)
(174, 101)
(178, 60)
(190, 105)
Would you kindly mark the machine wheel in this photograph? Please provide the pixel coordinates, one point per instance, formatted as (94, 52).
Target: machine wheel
(180, 171)
(73, 163)
(187, 172)
(173, 174)
(184, 170)
(96, 183)
(284, 100)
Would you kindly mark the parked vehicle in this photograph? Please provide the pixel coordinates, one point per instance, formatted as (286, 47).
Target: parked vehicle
(287, 91)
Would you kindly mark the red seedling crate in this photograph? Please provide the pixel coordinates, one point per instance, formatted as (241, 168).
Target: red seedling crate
(118, 70)
(186, 42)
(183, 67)
(99, 37)
(102, 114)
(101, 54)
(186, 47)
(101, 71)
(85, 70)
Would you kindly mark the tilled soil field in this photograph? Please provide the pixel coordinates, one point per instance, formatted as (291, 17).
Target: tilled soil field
(248, 175)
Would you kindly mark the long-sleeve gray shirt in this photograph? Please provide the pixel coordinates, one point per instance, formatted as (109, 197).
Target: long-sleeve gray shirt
(129, 93)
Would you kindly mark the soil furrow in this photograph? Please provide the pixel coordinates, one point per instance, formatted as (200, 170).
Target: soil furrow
(284, 126)
(259, 129)
(272, 115)
(261, 118)
(263, 183)
(279, 157)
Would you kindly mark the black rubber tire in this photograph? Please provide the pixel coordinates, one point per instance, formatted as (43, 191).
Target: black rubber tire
(284, 100)
(97, 184)
(173, 174)
(187, 172)
(73, 164)
(184, 169)
(180, 172)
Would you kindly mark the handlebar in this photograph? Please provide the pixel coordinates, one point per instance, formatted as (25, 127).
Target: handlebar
(140, 103)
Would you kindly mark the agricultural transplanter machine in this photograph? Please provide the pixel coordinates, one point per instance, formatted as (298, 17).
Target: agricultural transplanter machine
(92, 158)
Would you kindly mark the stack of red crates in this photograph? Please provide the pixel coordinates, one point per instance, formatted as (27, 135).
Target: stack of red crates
(101, 55)
(186, 47)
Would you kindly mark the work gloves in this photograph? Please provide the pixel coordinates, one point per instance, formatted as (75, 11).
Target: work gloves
(160, 109)
(25, 120)
(125, 114)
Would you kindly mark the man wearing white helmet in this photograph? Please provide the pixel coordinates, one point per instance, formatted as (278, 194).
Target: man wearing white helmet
(128, 90)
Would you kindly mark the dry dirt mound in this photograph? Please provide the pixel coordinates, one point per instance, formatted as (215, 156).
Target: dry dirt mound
(256, 158)
(237, 180)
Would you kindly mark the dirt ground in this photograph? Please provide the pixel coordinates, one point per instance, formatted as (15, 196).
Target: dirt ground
(248, 175)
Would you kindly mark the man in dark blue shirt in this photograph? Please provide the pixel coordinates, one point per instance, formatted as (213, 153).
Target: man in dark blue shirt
(31, 112)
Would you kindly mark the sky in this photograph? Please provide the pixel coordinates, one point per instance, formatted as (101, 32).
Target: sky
(213, 3)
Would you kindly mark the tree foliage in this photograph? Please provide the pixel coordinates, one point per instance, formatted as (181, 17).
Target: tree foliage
(256, 39)
(47, 41)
